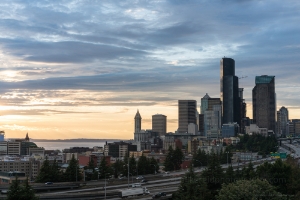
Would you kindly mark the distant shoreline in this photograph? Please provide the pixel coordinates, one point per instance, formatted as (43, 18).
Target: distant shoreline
(77, 140)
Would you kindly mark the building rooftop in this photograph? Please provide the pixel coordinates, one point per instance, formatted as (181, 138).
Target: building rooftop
(264, 79)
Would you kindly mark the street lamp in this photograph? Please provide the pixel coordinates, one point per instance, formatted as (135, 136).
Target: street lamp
(105, 185)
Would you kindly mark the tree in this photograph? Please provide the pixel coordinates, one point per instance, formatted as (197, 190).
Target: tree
(44, 174)
(132, 165)
(27, 192)
(229, 175)
(18, 192)
(142, 165)
(104, 168)
(177, 158)
(14, 191)
(55, 173)
(118, 168)
(213, 174)
(72, 172)
(249, 190)
(153, 165)
(192, 187)
(168, 164)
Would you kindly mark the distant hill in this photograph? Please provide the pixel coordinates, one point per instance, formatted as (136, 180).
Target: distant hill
(77, 140)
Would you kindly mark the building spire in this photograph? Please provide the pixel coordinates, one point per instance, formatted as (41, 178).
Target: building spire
(137, 122)
(27, 137)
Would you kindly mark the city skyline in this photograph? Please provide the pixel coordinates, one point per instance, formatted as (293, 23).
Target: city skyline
(77, 69)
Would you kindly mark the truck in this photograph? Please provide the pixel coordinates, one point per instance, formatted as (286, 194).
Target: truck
(133, 192)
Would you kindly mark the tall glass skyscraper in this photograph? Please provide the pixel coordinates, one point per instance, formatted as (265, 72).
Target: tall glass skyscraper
(229, 92)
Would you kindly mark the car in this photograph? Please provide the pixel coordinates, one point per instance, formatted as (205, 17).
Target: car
(136, 185)
(139, 177)
(122, 177)
(163, 194)
(144, 181)
(166, 172)
(156, 196)
(48, 183)
(4, 191)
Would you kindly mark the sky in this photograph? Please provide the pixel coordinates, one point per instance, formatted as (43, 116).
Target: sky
(82, 68)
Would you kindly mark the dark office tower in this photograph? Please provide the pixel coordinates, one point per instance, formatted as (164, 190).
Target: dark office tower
(243, 110)
(137, 122)
(264, 102)
(187, 110)
(229, 92)
(159, 124)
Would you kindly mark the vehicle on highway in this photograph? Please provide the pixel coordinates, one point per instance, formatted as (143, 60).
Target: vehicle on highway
(139, 177)
(133, 192)
(49, 183)
(122, 177)
(136, 185)
(167, 173)
(144, 181)
(158, 195)
(4, 191)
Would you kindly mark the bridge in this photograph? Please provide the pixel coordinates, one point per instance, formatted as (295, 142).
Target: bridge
(290, 139)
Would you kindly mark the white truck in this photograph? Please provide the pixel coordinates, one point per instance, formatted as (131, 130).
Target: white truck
(133, 192)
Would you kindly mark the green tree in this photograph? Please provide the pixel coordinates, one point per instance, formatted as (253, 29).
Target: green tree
(177, 158)
(229, 175)
(18, 192)
(72, 172)
(200, 158)
(153, 165)
(213, 174)
(118, 168)
(44, 174)
(55, 173)
(27, 192)
(142, 165)
(249, 190)
(104, 168)
(169, 164)
(192, 187)
(132, 166)
(15, 190)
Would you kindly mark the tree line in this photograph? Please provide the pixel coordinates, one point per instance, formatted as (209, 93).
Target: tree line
(52, 173)
(279, 180)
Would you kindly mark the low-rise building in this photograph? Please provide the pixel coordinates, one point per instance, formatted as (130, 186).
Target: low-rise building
(9, 177)
(29, 166)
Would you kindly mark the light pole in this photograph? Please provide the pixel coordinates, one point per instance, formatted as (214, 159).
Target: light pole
(105, 185)
(128, 171)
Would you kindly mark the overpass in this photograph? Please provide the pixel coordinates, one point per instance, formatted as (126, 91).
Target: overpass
(285, 139)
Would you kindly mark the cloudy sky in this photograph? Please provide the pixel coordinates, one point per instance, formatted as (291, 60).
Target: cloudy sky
(81, 69)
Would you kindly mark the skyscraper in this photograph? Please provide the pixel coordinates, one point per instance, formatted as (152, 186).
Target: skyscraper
(137, 122)
(229, 92)
(283, 121)
(264, 102)
(187, 110)
(159, 124)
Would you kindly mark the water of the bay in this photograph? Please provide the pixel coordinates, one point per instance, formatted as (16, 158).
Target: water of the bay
(67, 145)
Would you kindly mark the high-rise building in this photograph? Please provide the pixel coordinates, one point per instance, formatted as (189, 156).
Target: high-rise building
(282, 121)
(264, 102)
(159, 124)
(187, 110)
(229, 92)
(212, 116)
(137, 122)
(243, 110)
